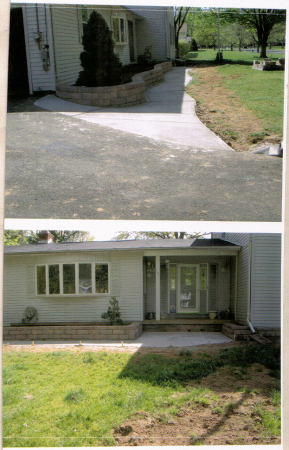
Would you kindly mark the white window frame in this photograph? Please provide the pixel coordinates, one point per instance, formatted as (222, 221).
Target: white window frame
(80, 21)
(119, 27)
(77, 293)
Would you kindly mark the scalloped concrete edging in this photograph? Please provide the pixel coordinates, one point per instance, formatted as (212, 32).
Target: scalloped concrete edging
(91, 332)
(128, 94)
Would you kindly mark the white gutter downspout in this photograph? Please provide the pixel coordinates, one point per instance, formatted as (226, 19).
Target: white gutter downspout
(249, 289)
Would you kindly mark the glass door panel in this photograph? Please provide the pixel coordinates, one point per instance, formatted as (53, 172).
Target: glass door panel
(188, 289)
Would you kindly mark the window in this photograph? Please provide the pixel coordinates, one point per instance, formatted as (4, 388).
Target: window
(118, 27)
(72, 279)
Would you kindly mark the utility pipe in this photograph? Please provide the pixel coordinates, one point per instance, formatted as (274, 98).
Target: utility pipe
(249, 288)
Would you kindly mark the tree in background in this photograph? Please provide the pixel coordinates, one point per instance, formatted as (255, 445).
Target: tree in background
(101, 66)
(125, 235)
(260, 22)
(19, 237)
(180, 14)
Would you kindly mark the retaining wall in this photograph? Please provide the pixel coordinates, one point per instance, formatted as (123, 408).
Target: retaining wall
(128, 94)
(74, 332)
(242, 332)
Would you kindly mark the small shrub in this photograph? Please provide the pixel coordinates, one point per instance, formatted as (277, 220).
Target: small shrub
(113, 313)
(145, 58)
(184, 48)
(193, 46)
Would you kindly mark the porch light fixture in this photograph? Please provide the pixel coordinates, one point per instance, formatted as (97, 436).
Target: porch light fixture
(167, 263)
(150, 268)
(224, 268)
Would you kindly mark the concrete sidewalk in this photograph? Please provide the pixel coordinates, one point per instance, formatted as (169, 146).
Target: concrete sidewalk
(147, 339)
(168, 115)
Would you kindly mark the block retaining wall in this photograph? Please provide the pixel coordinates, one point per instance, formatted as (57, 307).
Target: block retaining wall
(242, 332)
(128, 94)
(74, 332)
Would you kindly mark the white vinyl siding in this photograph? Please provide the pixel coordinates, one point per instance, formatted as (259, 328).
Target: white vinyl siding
(266, 280)
(67, 45)
(20, 288)
(243, 240)
(40, 80)
(154, 31)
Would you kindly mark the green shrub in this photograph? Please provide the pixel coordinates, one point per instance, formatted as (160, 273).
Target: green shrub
(184, 48)
(113, 313)
(101, 66)
(193, 46)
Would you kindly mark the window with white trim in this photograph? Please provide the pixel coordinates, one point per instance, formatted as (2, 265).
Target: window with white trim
(119, 31)
(72, 279)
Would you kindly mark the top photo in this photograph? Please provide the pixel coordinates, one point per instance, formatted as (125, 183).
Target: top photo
(145, 113)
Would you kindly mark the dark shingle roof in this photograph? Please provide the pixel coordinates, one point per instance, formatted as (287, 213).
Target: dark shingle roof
(141, 244)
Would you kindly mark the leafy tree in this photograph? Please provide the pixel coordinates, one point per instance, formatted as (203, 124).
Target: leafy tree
(101, 66)
(180, 14)
(124, 235)
(19, 237)
(259, 22)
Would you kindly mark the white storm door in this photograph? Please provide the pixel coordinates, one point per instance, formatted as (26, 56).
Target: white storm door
(189, 290)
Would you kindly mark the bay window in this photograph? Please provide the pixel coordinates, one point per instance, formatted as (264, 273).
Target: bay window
(72, 279)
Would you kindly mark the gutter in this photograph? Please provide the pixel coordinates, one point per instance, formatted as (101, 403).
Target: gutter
(249, 289)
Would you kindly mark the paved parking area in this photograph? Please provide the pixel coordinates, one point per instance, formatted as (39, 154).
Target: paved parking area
(87, 165)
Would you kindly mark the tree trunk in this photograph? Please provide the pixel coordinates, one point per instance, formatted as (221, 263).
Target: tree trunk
(263, 50)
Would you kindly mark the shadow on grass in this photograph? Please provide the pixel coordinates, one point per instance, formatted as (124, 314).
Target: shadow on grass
(173, 371)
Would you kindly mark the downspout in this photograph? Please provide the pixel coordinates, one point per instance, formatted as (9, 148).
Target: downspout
(249, 288)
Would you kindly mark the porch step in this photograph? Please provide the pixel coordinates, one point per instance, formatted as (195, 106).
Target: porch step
(259, 339)
(183, 326)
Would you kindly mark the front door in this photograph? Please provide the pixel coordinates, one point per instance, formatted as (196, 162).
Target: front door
(189, 291)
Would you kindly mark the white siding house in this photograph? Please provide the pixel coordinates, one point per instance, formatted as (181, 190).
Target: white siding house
(53, 38)
(170, 279)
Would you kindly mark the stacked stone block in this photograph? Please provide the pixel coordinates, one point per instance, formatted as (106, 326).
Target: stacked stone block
(128, 94)
(73, 332)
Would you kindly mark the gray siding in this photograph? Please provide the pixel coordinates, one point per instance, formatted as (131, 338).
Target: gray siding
(243, 240)
(67, 42)
(20, 290)
(154, 31)
(266, 280)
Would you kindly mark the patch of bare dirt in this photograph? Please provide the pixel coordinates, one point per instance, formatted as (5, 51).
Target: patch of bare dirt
(221, 111)
(228, 417)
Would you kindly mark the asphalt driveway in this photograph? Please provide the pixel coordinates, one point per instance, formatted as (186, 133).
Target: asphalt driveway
(64, 166)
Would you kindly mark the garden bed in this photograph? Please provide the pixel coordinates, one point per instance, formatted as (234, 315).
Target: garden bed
(74, 331)
(128, 94)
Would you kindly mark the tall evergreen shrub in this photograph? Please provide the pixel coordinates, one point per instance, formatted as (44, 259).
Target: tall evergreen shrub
(101, 66)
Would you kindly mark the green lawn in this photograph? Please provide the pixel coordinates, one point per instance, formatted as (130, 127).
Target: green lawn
(260, 91)
(59, 399)
(228, 55)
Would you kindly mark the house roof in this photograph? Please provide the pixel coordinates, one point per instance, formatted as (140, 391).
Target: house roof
(138, 244)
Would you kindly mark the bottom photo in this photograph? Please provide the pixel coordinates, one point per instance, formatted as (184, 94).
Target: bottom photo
(147, 339)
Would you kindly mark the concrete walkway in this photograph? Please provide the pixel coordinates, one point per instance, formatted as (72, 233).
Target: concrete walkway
(168, 115)
(147, 339)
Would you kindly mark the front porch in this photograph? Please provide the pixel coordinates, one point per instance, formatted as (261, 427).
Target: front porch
(185, 325)
(196, 284)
